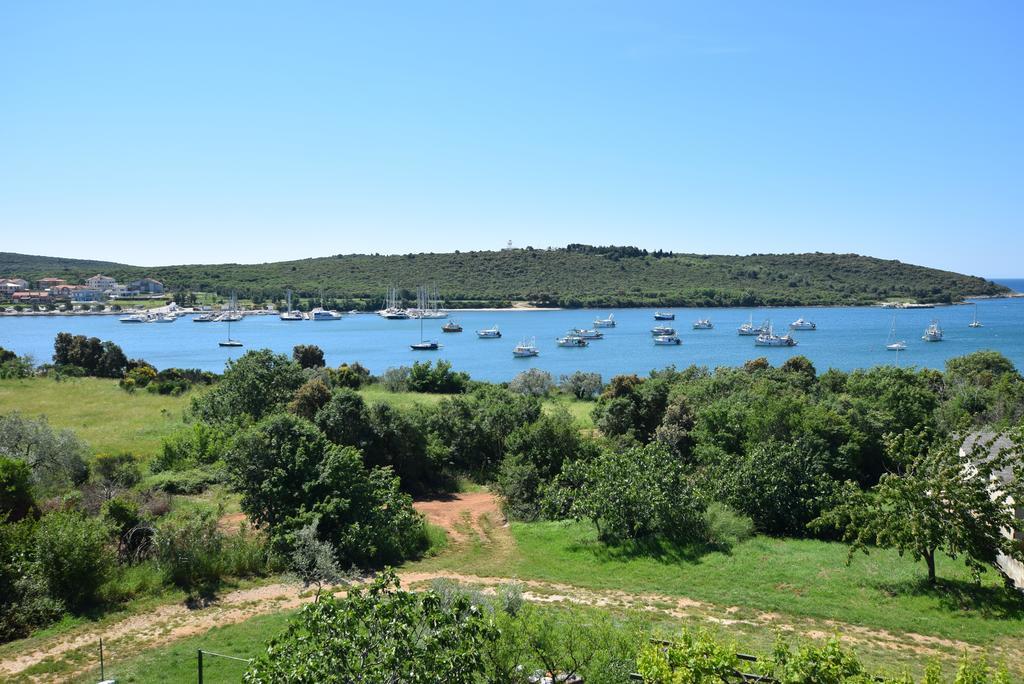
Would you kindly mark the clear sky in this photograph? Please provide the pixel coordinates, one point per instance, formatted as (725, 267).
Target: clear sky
(170, 132)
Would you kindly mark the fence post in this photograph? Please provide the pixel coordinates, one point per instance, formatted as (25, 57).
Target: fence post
(103, 677)
(199, 654)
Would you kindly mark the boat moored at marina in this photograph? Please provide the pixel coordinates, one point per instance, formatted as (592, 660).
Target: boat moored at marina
(571, 341)
(136, 318)
(291, 314)
(321, 314)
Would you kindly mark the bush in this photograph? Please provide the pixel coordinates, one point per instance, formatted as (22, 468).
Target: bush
(310, 398)
(196, 445)
(396, 379)
(255, 385)
(73, 557)
(24, 601)
(352, 376)
(582, 385)
(439, 379)
(533, 382)
(55, 457)
(16, 500)
(190, 481)
(308, 355)
(189, 550)
(113, 472)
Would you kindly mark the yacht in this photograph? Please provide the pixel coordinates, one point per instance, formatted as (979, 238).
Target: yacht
(933, 333)
(207, 317)
(975, 323)
(893, 344)
(489, 333)
(229, 342)
(571, 341)
(667, 340)
(662, 330)
(137, 318)
(427, 304)
(525, 349)
(451, 327)
(770, 339)
(321, 314)
(664, 316)
(801, 324)
(424, 345)
(605, 322)
(750, 330)
(391, 310)
(165, 317)
(587, 334)
(703, 324)
(291, 314)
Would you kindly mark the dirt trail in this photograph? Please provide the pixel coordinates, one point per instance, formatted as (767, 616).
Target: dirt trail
(468, 518)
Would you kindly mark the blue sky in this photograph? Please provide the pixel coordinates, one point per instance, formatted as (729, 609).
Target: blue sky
(158, 133)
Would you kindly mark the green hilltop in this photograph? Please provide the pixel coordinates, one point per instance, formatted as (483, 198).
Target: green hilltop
(574, 276)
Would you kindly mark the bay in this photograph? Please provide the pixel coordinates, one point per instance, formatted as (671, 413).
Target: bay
(846, 338)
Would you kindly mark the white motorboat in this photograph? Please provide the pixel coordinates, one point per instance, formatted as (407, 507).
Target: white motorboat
(165, 317)
(667, 340)
(770, 339)
(587, 334)
(933, 333)
(525, 349)
(664, 316)
(662, 331)
(802, 324)
(703, 324)
(605, 322)
(748, 329)
(136, 318)
(208, 317)
(321, 314)
(571, 341)
(489, 333)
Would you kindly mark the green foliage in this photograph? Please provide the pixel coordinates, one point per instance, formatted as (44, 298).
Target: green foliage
(439, 379)
(13, 367)
(312, 396)
(188, 480)
(581, 385)
(191, 446)
(113, 472)
(96, 358)
(24, 599)
(694, 658)
(290, 475)
(16, 499)
(55, 457)
(73, 558)
(533, 382)
(640, 493)
(938, 500)
(378, 634)
(308, 355)
(632, 407)
(828, 663)
(255, 385)
(352, 376)
(312, 559)
(570, 277)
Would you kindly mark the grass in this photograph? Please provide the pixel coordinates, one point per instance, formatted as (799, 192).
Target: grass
(98, 411)
(799, 580)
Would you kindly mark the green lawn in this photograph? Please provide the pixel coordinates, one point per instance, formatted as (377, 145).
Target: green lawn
(98, 411)
(801, 580)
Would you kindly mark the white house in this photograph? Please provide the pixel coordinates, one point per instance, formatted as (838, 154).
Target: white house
(9, 286)
(101, 282)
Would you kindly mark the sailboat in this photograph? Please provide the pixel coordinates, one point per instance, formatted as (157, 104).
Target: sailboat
(391, 310)
(975, 323)
(891, 343)
(229, 342)
(424, 345)
(290, 314)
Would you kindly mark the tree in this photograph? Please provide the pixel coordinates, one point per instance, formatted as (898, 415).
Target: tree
(16, 500)
(938, 500)
(313, 560)
(533, 382)
(312, 396)
(344, 419)
(379, 634)
(308, 355)
(56, 457)
(582, 385)
(290, 474)
(72, 554)
(255, 385)
(114, 472)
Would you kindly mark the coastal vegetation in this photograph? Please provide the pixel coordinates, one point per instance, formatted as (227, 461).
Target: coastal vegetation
(574, 276)
(748, 487)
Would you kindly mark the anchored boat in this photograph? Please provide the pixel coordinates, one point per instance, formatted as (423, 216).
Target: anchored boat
(703, 324)
(933, 333)
(662, 330)
(801, 324)
(667, 340)
(525, 349)
(572, 341)
(605, 322)
(770, 339)
(664, 316)
(489, 333)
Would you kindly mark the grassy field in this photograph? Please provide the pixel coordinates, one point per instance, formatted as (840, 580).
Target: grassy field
(98, 411)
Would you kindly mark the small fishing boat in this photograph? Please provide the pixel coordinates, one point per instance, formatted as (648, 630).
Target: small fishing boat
(525, 349)
(703, 324)
(489, 333)
(587, 334)
(770, 339)
(667, 340)
(748, 329)
(571, 341)
(975, 323)
(605, 322)
(802, 324)
(933, 333)
(664, 316)
(662, 331)
(451, 327)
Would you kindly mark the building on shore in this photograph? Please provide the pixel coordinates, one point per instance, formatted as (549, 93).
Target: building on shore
(101, 282)
(9, 286)
(47, 283)
(31, 297)
(146, 286)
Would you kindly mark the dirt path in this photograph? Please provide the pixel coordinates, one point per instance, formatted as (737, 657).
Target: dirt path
(468, 518)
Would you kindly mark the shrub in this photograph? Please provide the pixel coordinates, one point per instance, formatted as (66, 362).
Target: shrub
(257, 384)
(352, 376)
(310, 398)
(189, 550)
(16, 500)
(190, 481)
(582, 385)
(308, 355)
(56, 457)
(115, 471)
(73, 557)
(439, 379)
(533, 382)
(24, 601)
(192, 446)
(396, 379)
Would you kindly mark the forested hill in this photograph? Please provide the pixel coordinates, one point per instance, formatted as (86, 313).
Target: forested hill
(578, 275)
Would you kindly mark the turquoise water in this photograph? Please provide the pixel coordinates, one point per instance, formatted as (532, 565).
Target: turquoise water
(846, 338)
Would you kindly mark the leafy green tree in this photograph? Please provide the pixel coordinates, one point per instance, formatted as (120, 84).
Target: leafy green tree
(344, 419)
(113, 472)
(352, 376)
(379, 634)
(290, 474)
(312, 396)
(632, 407)
(16, 499)
(256, 384)
(938, 500)
(439, 379)
(308, 355)
(581, 385)
(73, 557)
(56, 457)
(313, 561)
(533, 382)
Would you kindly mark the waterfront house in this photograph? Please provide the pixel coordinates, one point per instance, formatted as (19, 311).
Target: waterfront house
(84, 293)
(1010, 567)
(31, 297)
(9, 286)
(101, 282)
(47, 283)
(146, 286)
